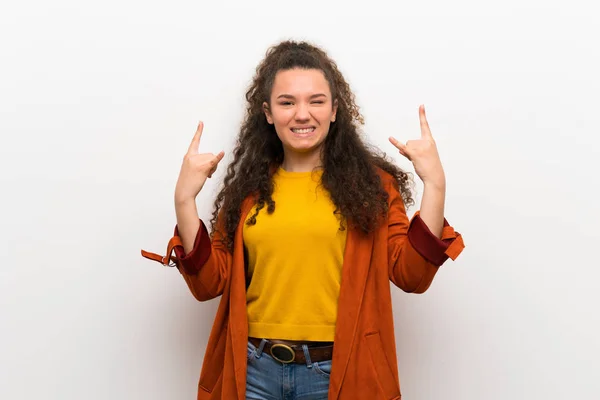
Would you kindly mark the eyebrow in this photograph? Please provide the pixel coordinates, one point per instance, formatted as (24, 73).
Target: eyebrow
(289, 96)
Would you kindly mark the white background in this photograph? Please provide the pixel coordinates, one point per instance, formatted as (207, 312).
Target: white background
(99, 102)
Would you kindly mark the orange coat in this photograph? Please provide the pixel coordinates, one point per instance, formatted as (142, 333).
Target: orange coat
(364, 364)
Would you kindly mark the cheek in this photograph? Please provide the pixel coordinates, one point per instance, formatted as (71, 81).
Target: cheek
(282, 117)
(324, 114)
(280, 122)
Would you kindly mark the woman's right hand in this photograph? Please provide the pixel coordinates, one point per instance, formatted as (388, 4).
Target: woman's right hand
(196, 168)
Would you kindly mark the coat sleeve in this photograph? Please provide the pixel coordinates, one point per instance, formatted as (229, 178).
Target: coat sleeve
(206, 267)
(414, 253)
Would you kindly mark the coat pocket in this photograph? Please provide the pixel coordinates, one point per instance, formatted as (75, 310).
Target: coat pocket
(385, 376)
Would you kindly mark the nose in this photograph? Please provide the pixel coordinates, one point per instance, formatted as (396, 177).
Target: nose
(302, 113)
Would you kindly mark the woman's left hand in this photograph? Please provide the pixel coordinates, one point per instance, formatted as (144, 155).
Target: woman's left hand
(423, 154)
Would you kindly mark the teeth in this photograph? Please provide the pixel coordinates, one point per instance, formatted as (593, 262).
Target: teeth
(306, 130)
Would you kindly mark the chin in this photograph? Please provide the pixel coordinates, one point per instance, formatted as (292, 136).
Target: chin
(306, 148)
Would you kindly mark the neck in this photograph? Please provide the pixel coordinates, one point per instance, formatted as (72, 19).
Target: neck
(301, 162)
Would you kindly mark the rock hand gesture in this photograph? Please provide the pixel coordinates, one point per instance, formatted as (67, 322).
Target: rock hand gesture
(195, 169)
(425, 158)
(423, 154)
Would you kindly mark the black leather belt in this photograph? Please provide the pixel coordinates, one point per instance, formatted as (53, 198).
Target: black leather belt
(293, 353)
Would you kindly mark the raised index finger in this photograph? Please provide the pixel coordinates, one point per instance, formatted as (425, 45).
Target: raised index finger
(195, 145)
(425, 131)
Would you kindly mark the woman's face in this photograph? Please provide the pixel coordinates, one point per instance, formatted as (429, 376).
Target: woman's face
(301, 109)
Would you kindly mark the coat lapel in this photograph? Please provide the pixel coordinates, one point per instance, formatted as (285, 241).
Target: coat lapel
(238, 321)
(355, 269)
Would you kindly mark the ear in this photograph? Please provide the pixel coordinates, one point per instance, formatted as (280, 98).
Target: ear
(267, 112)
(335, 106)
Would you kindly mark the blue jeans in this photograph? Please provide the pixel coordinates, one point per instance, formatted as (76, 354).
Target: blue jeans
(268, 379)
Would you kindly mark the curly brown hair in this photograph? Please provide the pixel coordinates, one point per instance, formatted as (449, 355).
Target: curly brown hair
(349, 163)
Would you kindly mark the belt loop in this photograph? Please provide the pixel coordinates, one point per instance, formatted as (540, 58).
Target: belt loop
(261, 347)
(307, 356)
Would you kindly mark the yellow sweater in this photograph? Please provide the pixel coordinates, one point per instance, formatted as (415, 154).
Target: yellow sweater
(295, 258)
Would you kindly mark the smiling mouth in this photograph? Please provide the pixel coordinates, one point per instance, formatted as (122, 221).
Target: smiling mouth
(303, 130)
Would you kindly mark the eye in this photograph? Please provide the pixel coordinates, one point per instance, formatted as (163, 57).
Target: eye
(318, 102)
(285, 103)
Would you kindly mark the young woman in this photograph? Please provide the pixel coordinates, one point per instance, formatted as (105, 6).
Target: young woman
(307, 232)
